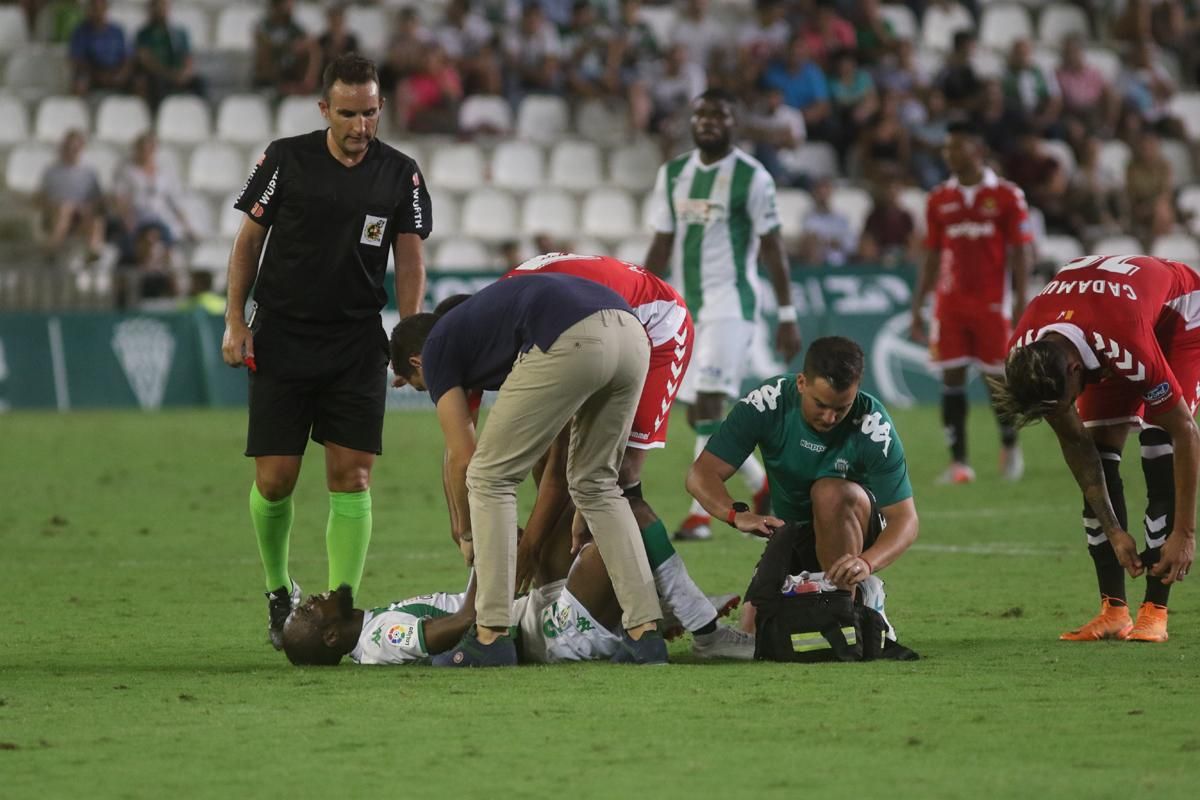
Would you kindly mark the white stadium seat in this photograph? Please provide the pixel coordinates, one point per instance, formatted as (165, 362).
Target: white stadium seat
(576, 166)
(198, 210)
(634, 166)
(542, 118)
(446, 212)
(912, 200)
(298, 115)
(1117, 245)
(459, 168)
(660, 19)
(235, 27)
(518, 166)
(170, 161)
(26, 163)
(988, 63)
(370, 25)
(244, 119)
(14, 121)
(1062, 153)
(13, 34)
(195, 21)
(550, 211)
(1179, 156)
(608, 214)
(229, 219)
(901, 18)
(940, 25)
(1058, 20)
(1189, 204)
(1105, 60)
(1177, 247)
(56, 115)
(853, 203)
(129, 17)
(35, 72)
(121, 118)
(411, 149)
(814, 159)
(793, 206)
(602, 122)
(184, 119)
(464, 255)
(1058, 250)
(212, 256)
(1115, 155)
(489, 214)
(106, 160)
(310, 17)
(217, 167)
(485, 113)
(1002, 24)
(1186, 106)
(633, 249)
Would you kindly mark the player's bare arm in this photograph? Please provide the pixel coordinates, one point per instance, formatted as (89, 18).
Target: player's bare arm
(925, 280)
(1021, 263)
(1179, 551)
(658, 257)
(442, 633)
(553, 501)
(410, 273)
(237, 344)
(1083, 459)
(455, 418)
(787, 335)
(706, 482)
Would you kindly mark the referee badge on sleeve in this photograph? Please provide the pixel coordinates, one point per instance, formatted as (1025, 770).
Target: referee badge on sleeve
(372, 232)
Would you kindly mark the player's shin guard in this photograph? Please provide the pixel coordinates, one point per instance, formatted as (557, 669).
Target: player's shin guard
(272, 521)
(1109, 574)
(347, 536)
(705, 428)
(1158, 465)
(954, 421)
(679, 593)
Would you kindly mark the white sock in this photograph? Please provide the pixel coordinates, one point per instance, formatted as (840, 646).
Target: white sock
(681, 596)
(701, 441)
(874, 596)
(753, 474)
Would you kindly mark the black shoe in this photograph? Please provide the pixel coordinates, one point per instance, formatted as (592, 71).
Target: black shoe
(650, 650)
(280, 604)
(470, 653)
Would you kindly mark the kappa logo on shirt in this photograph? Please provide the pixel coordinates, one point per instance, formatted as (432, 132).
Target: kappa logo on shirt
(372, 232)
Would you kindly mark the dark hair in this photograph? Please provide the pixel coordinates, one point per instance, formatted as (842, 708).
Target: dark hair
(963, 37)
(408, 337)
(451, 302)
(1035, 382)
(717, 95)
(351, 69)
(836, 359)
(962, 126)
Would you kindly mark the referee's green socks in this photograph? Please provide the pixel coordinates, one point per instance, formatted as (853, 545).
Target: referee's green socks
(273, 527)
(347, 537)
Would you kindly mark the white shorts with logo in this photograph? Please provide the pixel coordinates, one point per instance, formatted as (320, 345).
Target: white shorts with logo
(555, 627)
(719, 360)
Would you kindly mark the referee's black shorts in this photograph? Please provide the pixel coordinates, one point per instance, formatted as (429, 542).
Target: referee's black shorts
(327, 381)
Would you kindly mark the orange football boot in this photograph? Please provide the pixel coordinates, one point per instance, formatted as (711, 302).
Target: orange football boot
(1113, 622)
(1151, 625)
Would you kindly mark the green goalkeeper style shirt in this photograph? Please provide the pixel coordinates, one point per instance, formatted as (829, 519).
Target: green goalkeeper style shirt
(864, 448)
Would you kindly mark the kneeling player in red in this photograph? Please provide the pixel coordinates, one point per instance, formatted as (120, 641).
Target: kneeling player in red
(1110, 343)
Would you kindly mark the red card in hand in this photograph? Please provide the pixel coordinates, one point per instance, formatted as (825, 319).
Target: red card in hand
(253, 367)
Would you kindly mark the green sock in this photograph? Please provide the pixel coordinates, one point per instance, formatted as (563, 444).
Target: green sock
(347, 537)
(657, 543)
(273, 526)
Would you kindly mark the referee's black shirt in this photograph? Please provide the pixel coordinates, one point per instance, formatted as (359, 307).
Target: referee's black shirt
(331, 226)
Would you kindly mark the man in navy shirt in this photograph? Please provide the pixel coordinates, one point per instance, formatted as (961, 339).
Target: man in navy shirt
(559, 349)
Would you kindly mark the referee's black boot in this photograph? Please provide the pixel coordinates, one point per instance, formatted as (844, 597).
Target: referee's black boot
(280, 604)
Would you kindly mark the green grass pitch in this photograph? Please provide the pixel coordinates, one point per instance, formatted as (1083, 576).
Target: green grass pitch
(133, 660)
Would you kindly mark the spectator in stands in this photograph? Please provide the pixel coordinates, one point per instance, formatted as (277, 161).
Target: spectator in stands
(1040, 176)
(533, 55)
(1149, 188)
(874, 36)
(468, 40)
(805, 87)
(632, 49)
(99, 53)
(585, 51)
(957, 79)
(928, 136)
(705, 39)
(998, 120)
(884, 147)
(70, 200)
(773, 127)
(889, 233)
(1146, 88)
(147, 196)
(427, 101)
(286, 58)
(405, 57)
(1034, 92)
(827, 239)
(764, 40)
(163, 56)
(672, 83)
(150, 268)
(1095, 202)
(852, 94)
(337, 39)
(825, 32)
(1090, 104)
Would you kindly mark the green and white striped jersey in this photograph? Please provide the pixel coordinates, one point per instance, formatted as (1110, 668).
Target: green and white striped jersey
(717, 213)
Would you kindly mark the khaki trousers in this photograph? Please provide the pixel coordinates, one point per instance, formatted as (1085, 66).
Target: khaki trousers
(591, 377)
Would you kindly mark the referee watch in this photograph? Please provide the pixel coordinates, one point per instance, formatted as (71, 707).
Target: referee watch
(733, 512)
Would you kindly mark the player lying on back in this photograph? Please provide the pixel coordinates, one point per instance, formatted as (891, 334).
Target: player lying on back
(1110, 343)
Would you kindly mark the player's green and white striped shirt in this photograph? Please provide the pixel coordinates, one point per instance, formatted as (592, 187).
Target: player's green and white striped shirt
(717, 213)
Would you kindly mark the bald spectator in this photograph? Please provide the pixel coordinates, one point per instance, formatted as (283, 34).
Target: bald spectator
(286, 58)
(163, 56)
(70, 200)
(100, 57)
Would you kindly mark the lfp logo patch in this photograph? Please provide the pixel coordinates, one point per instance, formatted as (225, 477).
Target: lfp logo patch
(400, 635)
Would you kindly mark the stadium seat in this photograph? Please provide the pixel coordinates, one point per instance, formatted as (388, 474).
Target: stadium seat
(184, 119)
(646, 212)
(229, 219)
(633, 249)
(171, 161)
(634, 166)
(1058, 20)
(608, 214)
(212, 256)
(122, 118)
(1058, 250)
(446, 210)
(793, 206)
(902, 20)
(411, 149)
(1189, 206)
(550, 211)
(56, 115)
(26, 163)
(1117, 245)
(489, 214)
(542, 118)
(660, 19)
(1105, 60)
(1186, 106)
(235, 27)
(813, 159)
(217, 167)
(1062, 153)
(459, 168)
(518, 166)
(988, 63)
(576, 166)
(244, 119)
(14, 121)
(940, 25)
(462, 255)
(195, 21)
(912, 200)
(1177, 247)
(1179, 156)
(298, 115)
(198, 210)
(854, 203)
(35, 72)
(370, 25)
(129, 17)
(106, 160)
(13, 33)
(603, 122)
(1115, 155)
(1001, 24)
(485, 113)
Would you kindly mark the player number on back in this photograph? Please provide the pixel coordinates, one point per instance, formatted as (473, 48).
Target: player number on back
(766, 396)
(879, 431)
(1106, 264)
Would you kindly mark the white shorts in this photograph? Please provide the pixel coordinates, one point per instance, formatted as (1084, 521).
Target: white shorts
(555, 627)
(719, 359)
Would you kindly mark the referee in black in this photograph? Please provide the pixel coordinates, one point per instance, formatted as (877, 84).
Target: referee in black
(333, 202)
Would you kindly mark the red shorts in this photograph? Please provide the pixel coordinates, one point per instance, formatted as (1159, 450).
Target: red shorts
(1113, 401)
(668, 363)
(961, 335)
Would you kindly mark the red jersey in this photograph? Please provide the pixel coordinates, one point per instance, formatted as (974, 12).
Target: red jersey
(1118, 311)
(659, 307)
(973, 226)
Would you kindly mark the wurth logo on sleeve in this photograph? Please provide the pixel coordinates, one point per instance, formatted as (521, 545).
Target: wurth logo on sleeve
(1119, 357)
